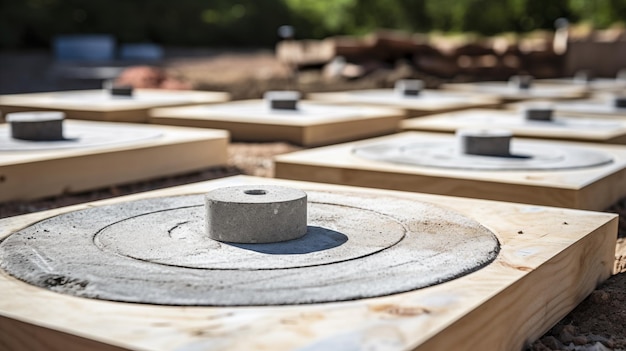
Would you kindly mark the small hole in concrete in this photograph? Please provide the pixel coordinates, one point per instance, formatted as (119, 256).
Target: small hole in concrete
(255, 192)
(2, 178)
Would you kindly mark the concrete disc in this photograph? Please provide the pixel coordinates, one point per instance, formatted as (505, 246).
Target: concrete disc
(562, 123)
(525, 155)
(154, 251)
(79, 136)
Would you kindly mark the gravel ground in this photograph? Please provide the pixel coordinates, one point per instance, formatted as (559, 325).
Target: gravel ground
(597, 324)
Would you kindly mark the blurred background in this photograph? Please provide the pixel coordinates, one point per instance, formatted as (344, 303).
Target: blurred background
(75, 44)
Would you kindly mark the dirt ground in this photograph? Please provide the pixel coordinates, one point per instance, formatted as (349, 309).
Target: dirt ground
(597, 324)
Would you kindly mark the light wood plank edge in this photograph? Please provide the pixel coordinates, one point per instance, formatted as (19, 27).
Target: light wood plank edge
(471, 188)
(107, 167)
(27, 336)
(526, 309)
(318, 134)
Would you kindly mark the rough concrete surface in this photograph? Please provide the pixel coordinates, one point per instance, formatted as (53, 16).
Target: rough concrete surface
(525, 155)
(77, 135)
(373, 246)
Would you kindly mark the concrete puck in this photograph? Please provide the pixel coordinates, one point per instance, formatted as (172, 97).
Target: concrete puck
(36, 126)
(619, 101)
(484, 142)
(583, 76)
(409, 87)
(282, 100)
(256, 214)
(538, 113)
(522, 82)
(121, 90)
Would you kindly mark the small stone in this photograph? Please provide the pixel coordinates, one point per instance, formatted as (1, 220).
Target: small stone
(552, 342)
(580, 340)
(599, 296)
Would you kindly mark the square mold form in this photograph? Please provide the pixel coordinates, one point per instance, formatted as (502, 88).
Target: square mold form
(509, 93)
(311, 124)
(564, 126)
(145, 152)
(100, 105)
(593, 188)
(503, 306)
(428, 101)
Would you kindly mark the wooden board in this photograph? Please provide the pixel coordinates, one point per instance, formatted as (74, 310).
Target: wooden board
(565, 127)
(312, 124)
(550, 260)
(600, 106)
(595, 85)
(33, 174)
(428, 102)
(593, 188)
(97, 105)
(510, 94)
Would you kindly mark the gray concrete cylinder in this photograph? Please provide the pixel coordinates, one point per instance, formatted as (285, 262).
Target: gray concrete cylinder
(36, 126)
(522, 82)
(256, 214)
(583, 76)
(121, 91)
(409, 87)
(282, 100)
(484, 142)
(619, 101)
(537, 113)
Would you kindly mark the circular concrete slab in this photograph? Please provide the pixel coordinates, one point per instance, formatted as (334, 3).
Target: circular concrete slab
(154, 251)
(80, 135)
(575, 124)
(525, 155)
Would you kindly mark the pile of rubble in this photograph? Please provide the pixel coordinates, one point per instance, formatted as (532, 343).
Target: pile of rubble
(541, 54)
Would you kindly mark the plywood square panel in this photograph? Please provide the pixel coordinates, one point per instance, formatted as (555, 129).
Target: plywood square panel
(99, 154)
(310, 124)
(502, 305)
(593, 85)
(427, 102)
(563, 126)
(600, 106)
(511, 93)
(577, 186)
(100, 105)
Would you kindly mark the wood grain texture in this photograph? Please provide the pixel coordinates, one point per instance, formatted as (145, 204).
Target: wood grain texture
(429, 102)
(500, 307)
(594, 188)
(314, 124)
(90, 104)
(512, 120)
(33, 174)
